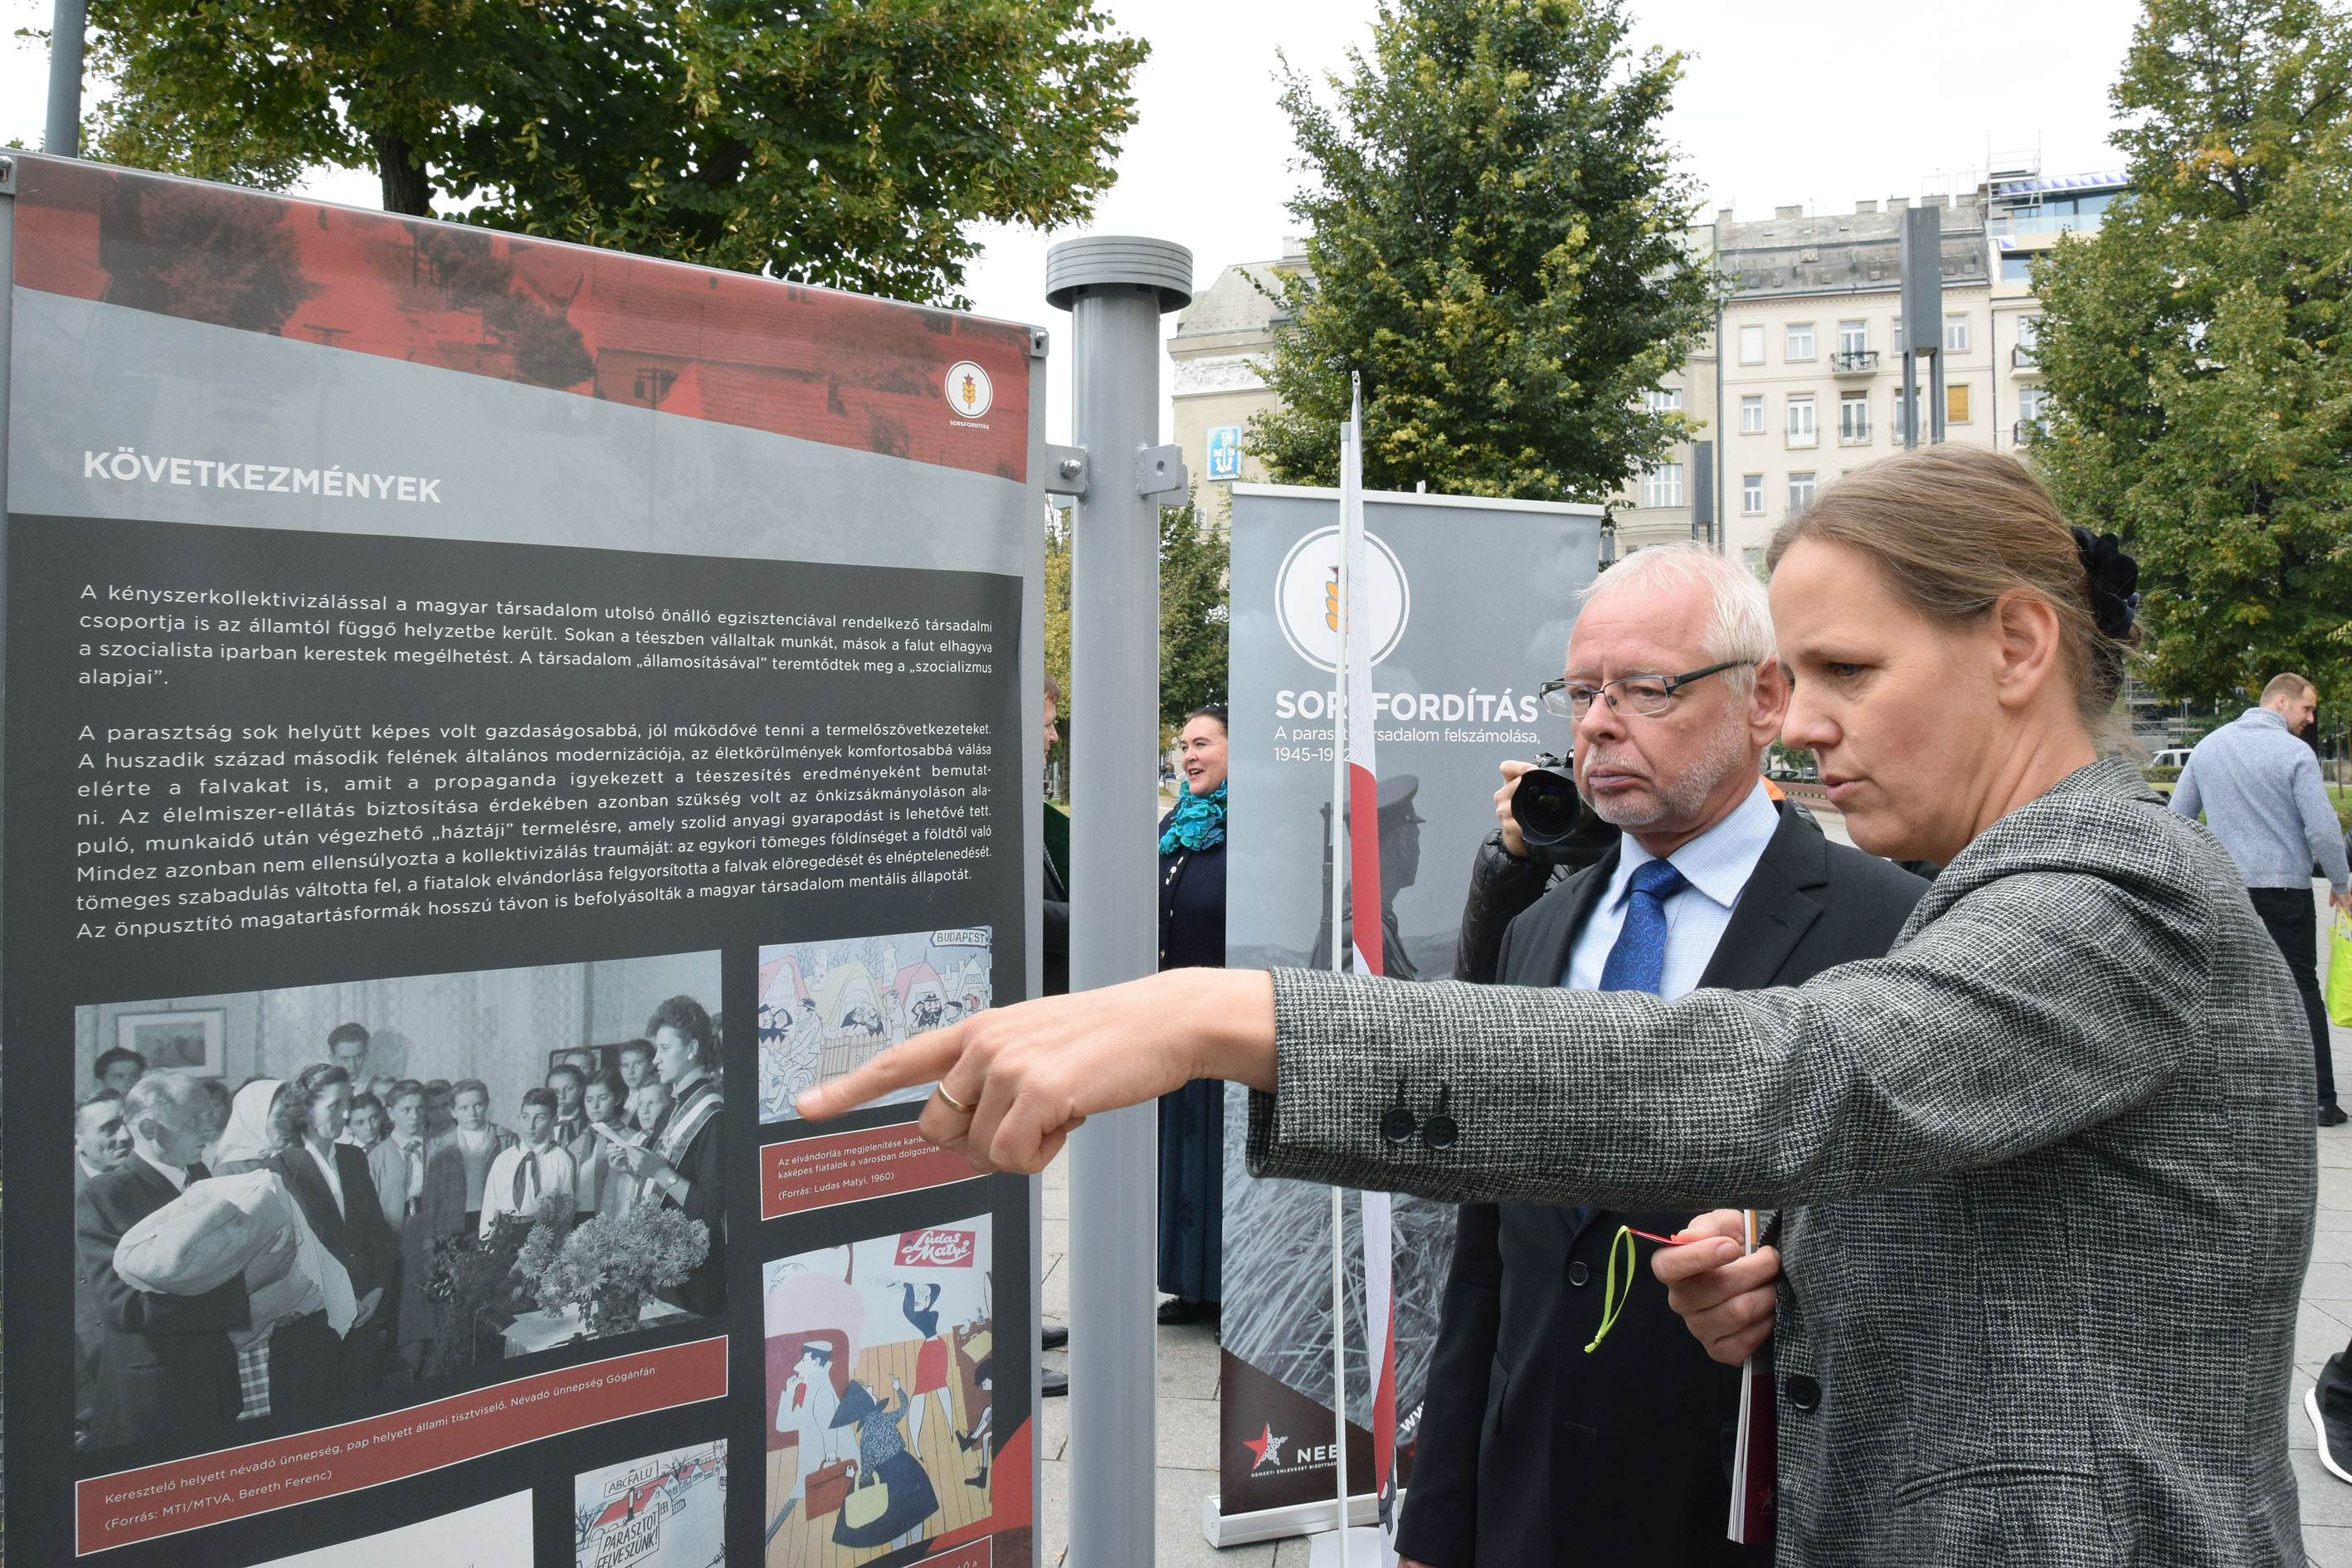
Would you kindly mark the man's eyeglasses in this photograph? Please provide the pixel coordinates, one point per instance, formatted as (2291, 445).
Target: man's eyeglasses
(1647, 694)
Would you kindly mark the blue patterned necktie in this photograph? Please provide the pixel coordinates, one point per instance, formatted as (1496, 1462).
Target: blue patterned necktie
(1638, 960)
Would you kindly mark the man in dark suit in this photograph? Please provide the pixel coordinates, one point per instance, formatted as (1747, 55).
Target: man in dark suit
(1532, 1450)
(166, 1368)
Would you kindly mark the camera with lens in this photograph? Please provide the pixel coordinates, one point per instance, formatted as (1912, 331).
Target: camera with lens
(1552, 816)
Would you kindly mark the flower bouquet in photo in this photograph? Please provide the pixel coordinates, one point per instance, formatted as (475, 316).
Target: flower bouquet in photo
(484, 1285)
(609, 1265)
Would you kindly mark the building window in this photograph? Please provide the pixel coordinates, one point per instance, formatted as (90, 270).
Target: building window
(1801, 421)
(1800, 492)
(1751, 415)
(1751, 345)
(2029, 343)
(1751, 495)
(1663, 485)
(1903, 427)
(1956, 334)
(1801, 340)
(2017, 266)
(1662, 399)
(1956, 404)
(1854, 337)
(2030, 399)
(1853, 418)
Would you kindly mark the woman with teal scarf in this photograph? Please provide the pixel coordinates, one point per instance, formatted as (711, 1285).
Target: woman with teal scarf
(1192, 936)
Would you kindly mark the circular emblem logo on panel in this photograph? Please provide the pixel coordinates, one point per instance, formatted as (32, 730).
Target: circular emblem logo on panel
(968, 389)
(1306, 597)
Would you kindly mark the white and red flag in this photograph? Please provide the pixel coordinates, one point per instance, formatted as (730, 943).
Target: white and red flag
(1366, 931)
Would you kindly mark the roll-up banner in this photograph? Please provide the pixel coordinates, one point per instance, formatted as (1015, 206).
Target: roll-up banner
(1470, 602)
(488, 722)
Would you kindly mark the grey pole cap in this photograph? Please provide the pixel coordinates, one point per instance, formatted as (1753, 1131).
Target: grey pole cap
(1118, 260)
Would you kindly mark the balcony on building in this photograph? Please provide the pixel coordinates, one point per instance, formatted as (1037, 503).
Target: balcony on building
(2026, 432)
(2026, 359)
(1854, 362)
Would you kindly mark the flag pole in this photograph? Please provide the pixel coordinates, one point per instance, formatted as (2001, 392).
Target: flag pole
(1350, 486)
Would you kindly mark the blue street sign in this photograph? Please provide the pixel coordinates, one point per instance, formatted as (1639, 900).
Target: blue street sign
(1224, 451)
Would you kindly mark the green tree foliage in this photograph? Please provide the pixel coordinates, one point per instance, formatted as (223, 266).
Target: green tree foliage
(1194, 563)
(2195, 348)
(1496, 248)
(1057, 630)
(854, 143)
(1195, 559)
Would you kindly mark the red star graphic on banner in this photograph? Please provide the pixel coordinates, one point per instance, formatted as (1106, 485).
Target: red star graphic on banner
(1266, 1447)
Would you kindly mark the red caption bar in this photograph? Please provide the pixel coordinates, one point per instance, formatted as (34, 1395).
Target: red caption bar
(843, 1167)
(231, 1483)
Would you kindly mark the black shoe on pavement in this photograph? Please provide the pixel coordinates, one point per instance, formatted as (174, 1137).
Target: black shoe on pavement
(1182, 1311)
(2333, 1427)
(1054, 1384)
(1055, 1337)
(2333, 1116)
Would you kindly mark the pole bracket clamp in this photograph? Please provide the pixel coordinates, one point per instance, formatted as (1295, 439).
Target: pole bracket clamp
(1066, 471)
(1160, 476)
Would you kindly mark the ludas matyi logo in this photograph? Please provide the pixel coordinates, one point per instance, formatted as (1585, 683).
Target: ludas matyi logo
(968, 391)
(1306, 597)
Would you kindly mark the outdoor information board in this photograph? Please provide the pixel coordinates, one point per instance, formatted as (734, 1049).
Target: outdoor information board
(486, 722)
(1469, 604)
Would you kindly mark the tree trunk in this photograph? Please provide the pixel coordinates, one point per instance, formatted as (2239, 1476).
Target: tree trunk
(406, 188)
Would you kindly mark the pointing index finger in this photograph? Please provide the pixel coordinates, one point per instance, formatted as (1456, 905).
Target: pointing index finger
(923, 1059)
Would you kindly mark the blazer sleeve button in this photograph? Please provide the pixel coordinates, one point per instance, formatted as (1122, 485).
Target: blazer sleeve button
(1804, 1393)
(1577, 1274)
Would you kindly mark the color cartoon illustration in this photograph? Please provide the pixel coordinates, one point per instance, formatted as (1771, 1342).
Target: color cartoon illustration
(879, 1381)
(826, 1007)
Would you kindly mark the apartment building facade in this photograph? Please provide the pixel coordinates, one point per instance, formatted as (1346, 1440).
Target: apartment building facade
(1800, 382)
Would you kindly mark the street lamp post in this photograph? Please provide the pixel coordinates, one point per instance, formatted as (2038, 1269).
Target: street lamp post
(62, 134)
(1116, 289)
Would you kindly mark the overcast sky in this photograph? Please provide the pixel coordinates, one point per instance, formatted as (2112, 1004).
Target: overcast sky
(1778, 106)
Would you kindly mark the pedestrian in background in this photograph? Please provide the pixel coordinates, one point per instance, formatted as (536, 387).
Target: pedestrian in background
(1192, 936)
(2259, 787)
(1057, 892)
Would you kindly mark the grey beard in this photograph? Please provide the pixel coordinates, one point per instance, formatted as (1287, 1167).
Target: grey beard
(1684, 795)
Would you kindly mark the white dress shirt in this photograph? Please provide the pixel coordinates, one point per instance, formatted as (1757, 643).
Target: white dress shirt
(555, 1174)
(1716, 864)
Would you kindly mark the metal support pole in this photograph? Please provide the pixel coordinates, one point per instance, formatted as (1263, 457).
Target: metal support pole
(1116, 289)
(1936, 399)
(1910, 400)
(62, 135)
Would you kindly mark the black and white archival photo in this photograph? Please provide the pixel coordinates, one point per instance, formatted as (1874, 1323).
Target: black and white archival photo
(314, 1198)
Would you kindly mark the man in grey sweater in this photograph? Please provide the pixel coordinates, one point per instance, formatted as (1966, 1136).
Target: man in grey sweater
(2259, 788)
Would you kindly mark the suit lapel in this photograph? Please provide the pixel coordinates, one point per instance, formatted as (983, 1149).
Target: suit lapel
(303, 1172)
(1584, 891)
(159, 1186)
(1775, 908)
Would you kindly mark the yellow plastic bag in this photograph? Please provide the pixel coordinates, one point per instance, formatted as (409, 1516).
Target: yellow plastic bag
(866, 1503)
(2340, 969)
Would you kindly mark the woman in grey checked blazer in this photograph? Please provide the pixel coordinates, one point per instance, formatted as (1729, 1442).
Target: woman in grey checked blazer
(2048, 1165)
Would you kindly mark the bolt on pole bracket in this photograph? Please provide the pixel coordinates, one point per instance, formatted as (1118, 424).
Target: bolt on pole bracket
(1066, 471)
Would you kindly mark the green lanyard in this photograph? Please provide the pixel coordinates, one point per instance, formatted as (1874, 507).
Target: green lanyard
(1613, 1304)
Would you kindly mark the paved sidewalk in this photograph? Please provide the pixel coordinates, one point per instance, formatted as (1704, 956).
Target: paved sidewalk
(1188, 1381)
